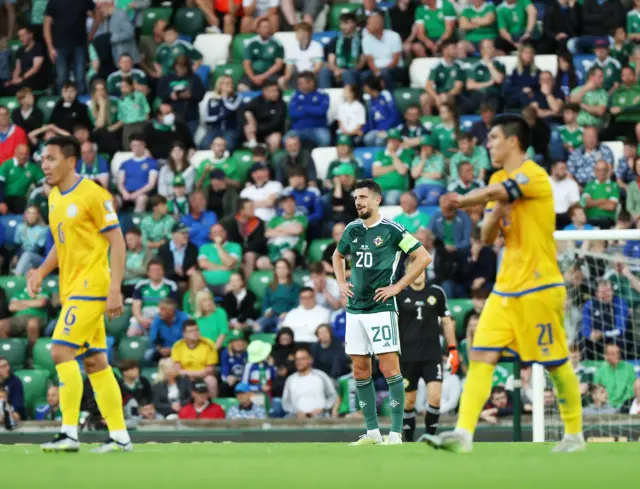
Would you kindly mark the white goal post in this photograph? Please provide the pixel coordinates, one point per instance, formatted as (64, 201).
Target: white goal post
(602, 251)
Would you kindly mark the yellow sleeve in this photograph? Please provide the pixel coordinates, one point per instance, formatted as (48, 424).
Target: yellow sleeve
(530, 182)
(102, 211)
(212, 357)
(175, 353)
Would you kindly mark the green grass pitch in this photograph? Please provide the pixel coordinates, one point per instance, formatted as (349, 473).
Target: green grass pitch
(326, 466)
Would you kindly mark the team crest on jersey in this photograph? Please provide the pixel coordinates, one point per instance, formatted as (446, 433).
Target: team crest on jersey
(432, 300)
(145, 166)
(378, 241)
(72, 210)
(522, 179)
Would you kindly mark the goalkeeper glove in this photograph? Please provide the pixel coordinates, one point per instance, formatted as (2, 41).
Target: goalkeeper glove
(454, 359)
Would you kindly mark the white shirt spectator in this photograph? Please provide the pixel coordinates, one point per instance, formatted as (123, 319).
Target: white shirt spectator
(451, 391)
(305, 393)
(165, 180)
(304, 59)
(635, 407)
(262, 6)
(565, 193)
(304, 322)
(252, 192)
(352, 115)
(382, 50)
(332, 289)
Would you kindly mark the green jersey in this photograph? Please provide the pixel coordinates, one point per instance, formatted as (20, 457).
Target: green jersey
(459, 187)
(375, 251)
(156, 230)
(513, 17)
(600, 190)
(213, 325)
(622, 53)
(444, 76)
(133, 108)
(393, 180)
(571, 138)
(612, 71)
(262, 54)
(481, 33)
(40, 312)
(478, 158)
(115, 79)
(594, 98)
(278, 244)
(348, 395)
(445, 137)
(151, 294)
(357, 166)
(41, 201)
(18, 178)
(480, 73)
(433, 164)
(178, 207)
(211, 253)
(134, 263)
(628, 99)
(167, 54)
(413, 222)
(227, 164)
(633, 22)
(622, 287)
(38, 8)
(434, 20)
(618, 381)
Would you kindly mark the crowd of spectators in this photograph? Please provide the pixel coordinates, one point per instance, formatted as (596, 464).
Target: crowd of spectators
(222, 197)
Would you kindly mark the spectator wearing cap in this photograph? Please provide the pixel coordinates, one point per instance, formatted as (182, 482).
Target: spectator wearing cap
(308, 393)
(468, 151)
(597, 21)
(196, 356)
(307, 200)
(137, 177)
(600, 197)
(339, 204)
(446, 80)
(428, 171)
(582, 161)
(219, 259)
(221, 197)
(263, 192)
(137, 259)
(171, 391)
(177, 165)
(258, 373)
(12, 385)
(92, 166)
(382, 113)
(391, 168)
(412, 129)
(199, 220)
(296, 157)
(611, 67)
(179, 255)
(219, 158)
(17, 176)
(265, 118)
(308, 110)
(411, 218)
(172, 48)
(344, 55)
(156, 227)
(263, 58)
(11, 136)
(305, 319)
(133, 112)
(286, 232)
(246, 408)
(233, 359)
(247, 229)
(240, 303)
(592, 98)
(164, 130)
(344, 150)
(382, 49)
(326, 288)
(305, 55)
(178, 204)
(201, 406)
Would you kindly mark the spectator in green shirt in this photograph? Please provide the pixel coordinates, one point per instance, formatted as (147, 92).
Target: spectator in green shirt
(219, 259)
(428, 171)
(600, 198)
(156, 228)
(286, 233)
(617, 376)
(478, 22)
(624, 107)
(592, 98)
(633, 193)
(171, 48)
(435, 22)
(571, 134)
(411, 218)
(465, 182)
(136, 260)
(29, 316)
(263, 58)
(485, 78)
(446, 80)
(468, 151)
(610, 66)
(133, 112)
(17, 175)
(344, 150)
(212, 320)
(391, 168)
(516, 24)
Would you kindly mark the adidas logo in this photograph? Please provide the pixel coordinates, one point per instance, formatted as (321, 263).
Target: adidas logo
(355, 240)
(407, 300)
(386, 345)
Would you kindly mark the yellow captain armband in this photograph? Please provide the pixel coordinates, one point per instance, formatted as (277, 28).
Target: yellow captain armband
(408, 243)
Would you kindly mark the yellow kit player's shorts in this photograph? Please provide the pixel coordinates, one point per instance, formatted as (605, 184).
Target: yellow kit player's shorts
(530, 325)
(81, 325)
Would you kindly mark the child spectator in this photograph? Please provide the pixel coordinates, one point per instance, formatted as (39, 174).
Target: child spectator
(232, 361)
(156, 227)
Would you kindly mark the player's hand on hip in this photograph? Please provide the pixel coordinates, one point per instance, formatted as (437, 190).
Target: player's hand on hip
(453, 362)
(114, 304)
(384, 293)
(34, 282)
(345, 288)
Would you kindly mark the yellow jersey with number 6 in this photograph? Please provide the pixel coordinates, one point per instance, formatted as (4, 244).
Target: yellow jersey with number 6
(529, 262)
(78, 218)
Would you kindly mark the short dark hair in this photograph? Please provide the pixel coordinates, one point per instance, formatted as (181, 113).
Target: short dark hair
(188, 323)
(155, 261)
(487, 107)
(261, 20)
(514, 125)
(69, 84)
(308, 75)
(374, 83)
(157, 200)
(125, 55)
(125, 365)
(305, 349)
(317, 267)
(348, 17)
(69, 145)
(259, 151)
(307, 289)
(138, 137)
(297, 171)
(446, 43)
(593, 69)
(498, 389)
(369, 184)
(170, 27)
(412, 106)
(134, 230)
(572, 107)
(27, 28)
(464, 135)
(243, 201)
(127, 81)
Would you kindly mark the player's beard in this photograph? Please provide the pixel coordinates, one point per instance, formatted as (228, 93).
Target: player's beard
(364, 214)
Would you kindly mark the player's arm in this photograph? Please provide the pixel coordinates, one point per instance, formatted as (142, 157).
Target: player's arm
(117, 254)
(34, 280)
(339, 264)
(491, 223)
(493, 192)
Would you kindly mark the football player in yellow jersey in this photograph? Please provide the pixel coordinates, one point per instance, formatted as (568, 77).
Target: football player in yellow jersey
(85, 227)
(524, 315)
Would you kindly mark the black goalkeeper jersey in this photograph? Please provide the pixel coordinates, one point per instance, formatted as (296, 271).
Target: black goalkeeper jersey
(419, 319)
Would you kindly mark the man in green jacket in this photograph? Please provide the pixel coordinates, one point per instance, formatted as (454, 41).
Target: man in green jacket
(617, 376)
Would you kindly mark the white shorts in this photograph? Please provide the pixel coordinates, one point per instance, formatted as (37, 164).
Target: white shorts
(372, 333)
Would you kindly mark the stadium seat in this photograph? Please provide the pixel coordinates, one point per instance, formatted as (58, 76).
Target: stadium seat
(366, 156)
(419, 71)
(316, 249)
(133, 348)
(301, 276)
(249, 96)
(234, 70)
(199, 156)
(405, 97)
(325, 38)
(42, 357)
(190, 22)
(458, 308)
(582, 63)
(429, 210)
(137, 217)
(337, 10)
(12, 285)
(46, 105)
(258, 283)
(35, 384)
(266, 337)
(244, 159)
(15, 351)
(428, 121)
(50, 284)
(546, 62)
(466, 121)
(117, 327)
(111, 342)
(214, 48)
(323, 157)
(335, 99)
(9, 102)
(226, 402)
(390, 211)
(288, 41)
(9, 223)
(151, 15)
(237, 46)
(150, 373)
(117, 160)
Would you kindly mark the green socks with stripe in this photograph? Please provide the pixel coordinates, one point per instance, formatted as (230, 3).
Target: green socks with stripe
(396, 401)
(367, 400)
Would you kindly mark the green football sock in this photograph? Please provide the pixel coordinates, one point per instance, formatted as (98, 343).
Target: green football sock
(396, 401)
(367, 398)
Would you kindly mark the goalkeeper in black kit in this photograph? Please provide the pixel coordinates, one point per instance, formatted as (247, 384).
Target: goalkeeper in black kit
(423, 311)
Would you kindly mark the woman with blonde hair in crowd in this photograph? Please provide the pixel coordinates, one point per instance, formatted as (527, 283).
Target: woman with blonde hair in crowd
(212, 320)
(196, 284)
(221, 114)
(171, 391)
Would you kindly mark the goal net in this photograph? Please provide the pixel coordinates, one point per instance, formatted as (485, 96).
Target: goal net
(602, 322)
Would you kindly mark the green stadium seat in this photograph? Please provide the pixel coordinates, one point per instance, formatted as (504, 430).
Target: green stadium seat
(316, 249)
(190, 21)
(385, 408)
(35, 384)
(429, 121)
(150, 373)
(15, 351)
(337, 10)
(151, 15)
(50, 284)
(266, 337)
(259, 281)
(237, 46)
(12, 285)
(133, 348)
(42, 357)
(137, 218)
(234, 70)
(117, 327)
(301, 276)
(226, 402)
(405, 97)
(46, 105)
(458, 308)
(9, 102)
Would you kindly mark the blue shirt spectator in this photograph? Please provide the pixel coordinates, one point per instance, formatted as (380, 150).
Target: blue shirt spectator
(582, 161)
(307, 201)
(308, 112)
(382, 113)
(453, 228)
(221, 115)
(572, 227)
(136, 173)
(232, 363)
(13, 385)
(258, 374)
(522, 83)
(632, 248)
(166, 327)
(92, 166)
(339, 324)
(199, 221)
